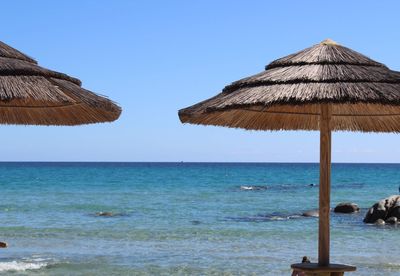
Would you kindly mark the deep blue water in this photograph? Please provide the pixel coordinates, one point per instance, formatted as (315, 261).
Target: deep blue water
(187, 218)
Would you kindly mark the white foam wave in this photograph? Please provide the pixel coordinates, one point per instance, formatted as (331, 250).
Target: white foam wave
(20, 266)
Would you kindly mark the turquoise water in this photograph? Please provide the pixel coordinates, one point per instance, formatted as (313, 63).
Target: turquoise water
(186, 218)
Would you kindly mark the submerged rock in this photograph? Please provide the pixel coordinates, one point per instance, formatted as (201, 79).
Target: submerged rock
(311, 213)
(384, 209)
(346, 208)
(254, 188)
(268, 217)
(104, 214)
(109, 214)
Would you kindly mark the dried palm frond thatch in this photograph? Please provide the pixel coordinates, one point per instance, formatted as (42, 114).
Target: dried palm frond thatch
(364, 94)
(32, 95)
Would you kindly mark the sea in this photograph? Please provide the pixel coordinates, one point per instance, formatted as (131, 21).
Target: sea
(188, 218)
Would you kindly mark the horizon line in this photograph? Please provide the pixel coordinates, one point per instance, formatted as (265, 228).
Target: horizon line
(200, 162)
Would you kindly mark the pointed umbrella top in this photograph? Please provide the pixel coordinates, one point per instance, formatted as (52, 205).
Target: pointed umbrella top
(329, 41)
(33, 95)
(364, 94)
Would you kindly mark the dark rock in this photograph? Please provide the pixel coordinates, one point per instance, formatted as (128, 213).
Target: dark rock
(377, 211)
(395, 212)
(3, 245)
(311, 213)
(391, 220)
(346, 207)
(384, 209)
(380, 222)
(195, 222)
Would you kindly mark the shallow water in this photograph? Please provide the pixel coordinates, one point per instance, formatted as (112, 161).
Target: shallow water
(186, 219)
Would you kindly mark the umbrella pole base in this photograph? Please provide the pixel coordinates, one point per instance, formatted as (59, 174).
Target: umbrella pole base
(313, 269)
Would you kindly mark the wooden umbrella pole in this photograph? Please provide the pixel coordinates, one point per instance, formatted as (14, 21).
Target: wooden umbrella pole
(324, 185)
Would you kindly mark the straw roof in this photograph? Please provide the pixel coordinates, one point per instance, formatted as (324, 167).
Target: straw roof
(32, 95)
(364, 94)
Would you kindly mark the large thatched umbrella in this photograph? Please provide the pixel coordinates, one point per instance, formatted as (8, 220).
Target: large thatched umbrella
(32, 95)
(326, 87)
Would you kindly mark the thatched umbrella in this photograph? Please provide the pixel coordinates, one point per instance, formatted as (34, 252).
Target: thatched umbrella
(326, 87)
(32, 95)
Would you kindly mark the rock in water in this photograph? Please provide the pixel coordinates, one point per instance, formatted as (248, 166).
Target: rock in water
(346, 207)
(384, 209)
(395, 212)
(105, 214)
(254, 188)
(391, 220)
(380, 222)
(312, 213)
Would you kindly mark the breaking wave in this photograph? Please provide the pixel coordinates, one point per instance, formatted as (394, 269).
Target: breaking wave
(20, 266)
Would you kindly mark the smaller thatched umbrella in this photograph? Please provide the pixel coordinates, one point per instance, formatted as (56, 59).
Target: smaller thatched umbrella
(32, 95)
(325, 87)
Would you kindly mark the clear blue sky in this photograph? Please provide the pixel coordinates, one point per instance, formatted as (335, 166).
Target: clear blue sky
(155, 57)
